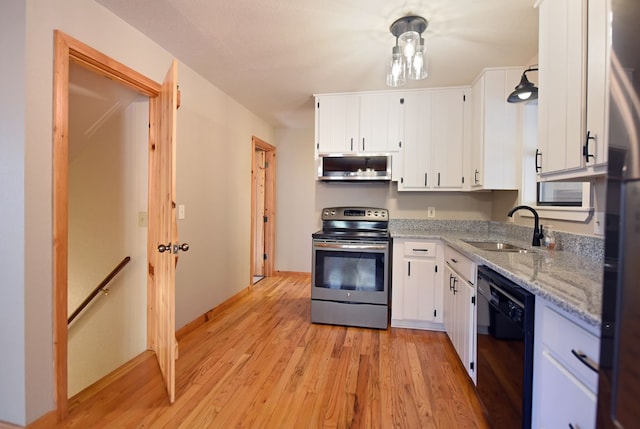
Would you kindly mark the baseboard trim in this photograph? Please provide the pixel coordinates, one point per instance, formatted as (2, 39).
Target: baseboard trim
(293, 273)
(4, 425)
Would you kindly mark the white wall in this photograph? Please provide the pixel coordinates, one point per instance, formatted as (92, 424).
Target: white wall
(12, 227)
(295, 199)
(214, 140)
(107, 189)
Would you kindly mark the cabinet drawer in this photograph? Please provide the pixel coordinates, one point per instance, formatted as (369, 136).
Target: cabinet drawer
(562, 337)
(566, 401)
(420, 248)
(461, 264)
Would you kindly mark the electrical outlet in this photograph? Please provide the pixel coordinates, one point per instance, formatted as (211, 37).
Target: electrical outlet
(598, 223)
(431, 212)
(142, 219)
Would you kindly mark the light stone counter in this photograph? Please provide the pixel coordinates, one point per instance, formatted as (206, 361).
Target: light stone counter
(570, 277)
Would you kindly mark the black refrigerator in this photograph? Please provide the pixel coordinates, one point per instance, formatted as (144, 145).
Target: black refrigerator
(619, 375)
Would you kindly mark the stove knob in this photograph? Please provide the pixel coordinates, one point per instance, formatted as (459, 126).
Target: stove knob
(333, 212)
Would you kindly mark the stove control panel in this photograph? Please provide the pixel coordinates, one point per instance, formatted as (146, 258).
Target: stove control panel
(355, 213)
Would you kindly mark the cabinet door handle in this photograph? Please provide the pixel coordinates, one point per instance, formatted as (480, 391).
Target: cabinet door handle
(408, 268)
(451, 277)
(538, 156)
(586, 360)
(351, 144)
(420, 250)
(363, 143)
(455, 261)
(475, 176)
(438, 179)
(425, 179)
(585, 148)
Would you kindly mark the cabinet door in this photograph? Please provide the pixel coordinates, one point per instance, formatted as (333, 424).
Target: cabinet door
(447, 138)
(466, 319)
(562, 77)
(417, 142)
(597, 82)
(567, 403)
(380, 116)
(495, 141)
(337, 123)
(419, 290)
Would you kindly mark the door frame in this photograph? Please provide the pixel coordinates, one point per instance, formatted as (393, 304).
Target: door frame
(269, 206)
(68, 49)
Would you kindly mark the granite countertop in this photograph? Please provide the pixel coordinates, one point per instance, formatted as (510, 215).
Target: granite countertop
(569, 280)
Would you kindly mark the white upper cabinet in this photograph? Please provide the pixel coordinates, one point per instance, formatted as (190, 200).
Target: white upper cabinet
(573, 87)
(496, 137)
(337, 123)
(380, 126)
(358, 123)
(436, 133)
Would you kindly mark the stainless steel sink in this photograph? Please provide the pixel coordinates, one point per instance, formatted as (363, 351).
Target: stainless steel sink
(497, 246)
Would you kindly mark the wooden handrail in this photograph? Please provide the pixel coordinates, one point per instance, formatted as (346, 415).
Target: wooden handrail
(99, 288)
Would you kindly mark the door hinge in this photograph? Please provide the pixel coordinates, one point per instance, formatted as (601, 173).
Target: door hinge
(473, 300)
(264, 256)
(436, 268)
(266, 164)
(265, 219)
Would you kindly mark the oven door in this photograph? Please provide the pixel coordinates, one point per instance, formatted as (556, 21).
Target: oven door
(350, 271)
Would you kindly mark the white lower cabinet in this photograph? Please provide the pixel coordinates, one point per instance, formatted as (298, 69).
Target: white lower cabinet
(564, 383)
(460, 308)
(416, 287)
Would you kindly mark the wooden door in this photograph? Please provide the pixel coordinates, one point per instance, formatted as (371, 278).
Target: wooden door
(259, 177)
(163, 229)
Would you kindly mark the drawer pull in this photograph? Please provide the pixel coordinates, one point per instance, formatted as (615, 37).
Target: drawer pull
(454, 261)
(420, 250)
(582, 357)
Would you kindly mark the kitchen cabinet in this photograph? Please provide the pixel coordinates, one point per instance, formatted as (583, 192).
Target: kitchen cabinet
(460, 307)
(416, 287)
(573, 88)
(436, 135)
(495, 132)
(564, 385)
(359, 122)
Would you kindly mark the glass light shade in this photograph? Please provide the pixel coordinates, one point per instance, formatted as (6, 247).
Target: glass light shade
(409, 41)
(396, 71)
(418, 66)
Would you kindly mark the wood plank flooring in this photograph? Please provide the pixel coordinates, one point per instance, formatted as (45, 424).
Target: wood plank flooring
(260, 363)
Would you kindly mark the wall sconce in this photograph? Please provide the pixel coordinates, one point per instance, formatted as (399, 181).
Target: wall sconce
(525, 91)
(407, 58)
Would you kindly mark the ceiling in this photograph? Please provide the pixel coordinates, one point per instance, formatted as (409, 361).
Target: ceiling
(273, 55)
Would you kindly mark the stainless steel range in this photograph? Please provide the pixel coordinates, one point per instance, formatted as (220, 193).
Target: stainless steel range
(350, 270)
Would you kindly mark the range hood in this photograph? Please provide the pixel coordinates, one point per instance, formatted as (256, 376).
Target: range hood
(354, 167)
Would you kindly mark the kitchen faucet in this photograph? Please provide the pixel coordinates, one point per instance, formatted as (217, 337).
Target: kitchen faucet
(537, 234)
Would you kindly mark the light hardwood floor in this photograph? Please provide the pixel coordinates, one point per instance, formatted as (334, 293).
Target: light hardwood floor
(260, 363)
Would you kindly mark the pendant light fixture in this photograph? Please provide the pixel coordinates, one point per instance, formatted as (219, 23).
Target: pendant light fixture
(408, 56)
(525, 91)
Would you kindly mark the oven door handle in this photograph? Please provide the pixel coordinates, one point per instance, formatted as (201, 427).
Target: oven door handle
(351, 246)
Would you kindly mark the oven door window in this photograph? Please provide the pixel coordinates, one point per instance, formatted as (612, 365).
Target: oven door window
(356, 271)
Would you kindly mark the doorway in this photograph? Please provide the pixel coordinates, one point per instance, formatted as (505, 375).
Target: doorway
(263, 167)
(160, 281)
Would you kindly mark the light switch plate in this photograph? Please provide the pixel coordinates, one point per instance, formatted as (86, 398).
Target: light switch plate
(180, 211)
(431, 212)
(142, 219)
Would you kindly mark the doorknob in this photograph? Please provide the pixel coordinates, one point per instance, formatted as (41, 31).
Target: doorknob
(175, 248)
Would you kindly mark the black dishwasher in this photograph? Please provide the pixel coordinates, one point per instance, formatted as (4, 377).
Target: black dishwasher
(504, 349)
